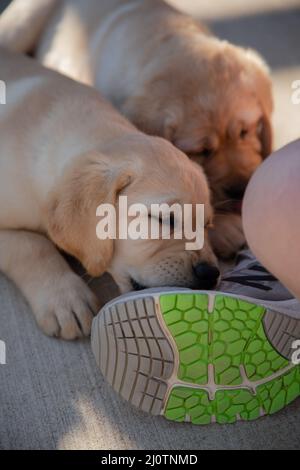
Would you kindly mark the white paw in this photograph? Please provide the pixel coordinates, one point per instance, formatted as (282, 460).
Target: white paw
(65, 307)
(227, 236)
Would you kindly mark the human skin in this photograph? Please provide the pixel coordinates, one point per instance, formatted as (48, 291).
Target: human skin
(271, 215)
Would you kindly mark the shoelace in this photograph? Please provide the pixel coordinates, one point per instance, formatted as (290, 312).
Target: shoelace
(249, 279)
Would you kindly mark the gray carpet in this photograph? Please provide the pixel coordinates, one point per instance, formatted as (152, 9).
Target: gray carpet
(51, 394)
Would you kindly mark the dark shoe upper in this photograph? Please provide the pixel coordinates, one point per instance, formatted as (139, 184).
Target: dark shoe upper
(249, 278)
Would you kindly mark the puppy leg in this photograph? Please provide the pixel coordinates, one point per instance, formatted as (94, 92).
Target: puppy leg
(227, 236)
(61, 302)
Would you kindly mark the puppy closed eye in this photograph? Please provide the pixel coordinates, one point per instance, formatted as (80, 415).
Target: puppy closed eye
(244, 133)
(168, 221)
(165, 221)
(206, 152)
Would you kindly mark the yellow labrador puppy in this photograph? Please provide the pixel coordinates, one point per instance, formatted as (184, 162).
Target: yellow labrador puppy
(171, 78)
(63, 152)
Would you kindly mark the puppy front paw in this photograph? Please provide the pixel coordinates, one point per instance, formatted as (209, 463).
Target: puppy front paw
(227, 236)
(66, 307)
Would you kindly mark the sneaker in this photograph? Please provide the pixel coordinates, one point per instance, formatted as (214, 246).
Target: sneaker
(204, 356)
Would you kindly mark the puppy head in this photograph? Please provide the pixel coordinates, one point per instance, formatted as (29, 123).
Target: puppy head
(214, 102)
(166, 176)
(152, 171)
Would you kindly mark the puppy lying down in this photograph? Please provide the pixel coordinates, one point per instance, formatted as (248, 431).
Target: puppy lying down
(170, 77)
(63, 152)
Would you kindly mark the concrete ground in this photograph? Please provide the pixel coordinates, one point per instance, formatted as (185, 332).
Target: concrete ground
(51, 395)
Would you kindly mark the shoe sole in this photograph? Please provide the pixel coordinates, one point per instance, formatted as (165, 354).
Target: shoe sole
(200, 357)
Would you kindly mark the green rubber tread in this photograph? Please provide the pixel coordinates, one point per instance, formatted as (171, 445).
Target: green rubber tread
(239, 339)
(233, 325)
(233, 340)
(186, 317)
(231, 336)
(190, 404)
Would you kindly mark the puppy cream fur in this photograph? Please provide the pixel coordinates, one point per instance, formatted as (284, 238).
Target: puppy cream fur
(171, 78)
(63, 152)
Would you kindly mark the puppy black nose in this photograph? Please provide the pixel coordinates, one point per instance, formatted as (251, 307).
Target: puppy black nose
(207, 275)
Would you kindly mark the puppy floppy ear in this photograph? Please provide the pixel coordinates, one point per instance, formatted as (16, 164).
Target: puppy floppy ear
(150, 112)
(152, 119)
(71, 213)
(134, 109)
(147, 115)
(266, 136)
(261, 81)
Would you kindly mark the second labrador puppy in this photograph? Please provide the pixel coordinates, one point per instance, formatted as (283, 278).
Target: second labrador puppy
(171, 78)
(64, 151)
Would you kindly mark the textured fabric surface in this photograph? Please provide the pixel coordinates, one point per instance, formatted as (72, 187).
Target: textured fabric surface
(52, 395)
